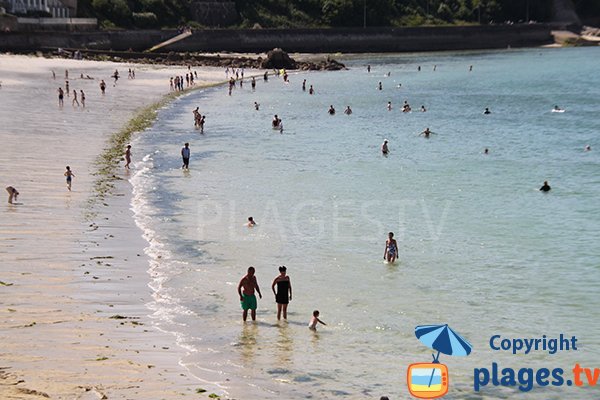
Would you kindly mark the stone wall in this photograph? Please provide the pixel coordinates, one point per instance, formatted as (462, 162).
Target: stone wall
(294, 40)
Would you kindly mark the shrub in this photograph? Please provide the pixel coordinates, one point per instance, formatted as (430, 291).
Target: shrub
(145, 20)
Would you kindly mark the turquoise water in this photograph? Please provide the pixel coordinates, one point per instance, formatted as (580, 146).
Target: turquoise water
(480, 247)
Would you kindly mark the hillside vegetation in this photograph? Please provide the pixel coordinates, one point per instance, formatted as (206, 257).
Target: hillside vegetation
(328, 13)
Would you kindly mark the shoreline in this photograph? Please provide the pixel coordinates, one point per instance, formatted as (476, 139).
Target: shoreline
(332, 40)
(75, 317)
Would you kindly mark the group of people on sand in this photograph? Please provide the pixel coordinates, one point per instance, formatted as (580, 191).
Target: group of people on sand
(282, 290)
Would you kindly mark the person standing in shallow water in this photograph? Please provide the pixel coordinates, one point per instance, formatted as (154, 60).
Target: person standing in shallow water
(61, 96)
(70, 175)
(384, 148)
(128, 156)
(185, 155)
(248, 284)
(391, 248)
(283, 295)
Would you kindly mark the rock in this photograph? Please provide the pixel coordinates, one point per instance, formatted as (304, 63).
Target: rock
(278, 58)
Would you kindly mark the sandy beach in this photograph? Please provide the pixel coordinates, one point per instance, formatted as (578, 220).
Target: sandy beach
(74, 283)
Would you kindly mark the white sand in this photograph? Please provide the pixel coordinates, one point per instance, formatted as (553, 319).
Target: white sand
(55, 327)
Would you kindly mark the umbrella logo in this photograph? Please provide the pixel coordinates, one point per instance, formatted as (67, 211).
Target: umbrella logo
(431, 380)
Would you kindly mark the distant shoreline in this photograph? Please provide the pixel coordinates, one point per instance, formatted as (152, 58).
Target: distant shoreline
(338, 40)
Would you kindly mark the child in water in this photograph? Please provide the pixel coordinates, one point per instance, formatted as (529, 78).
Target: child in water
(312, 325)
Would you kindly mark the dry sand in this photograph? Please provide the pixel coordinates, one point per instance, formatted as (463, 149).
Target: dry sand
(63, 277)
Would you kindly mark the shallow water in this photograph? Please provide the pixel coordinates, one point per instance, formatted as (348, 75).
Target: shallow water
(480, 247)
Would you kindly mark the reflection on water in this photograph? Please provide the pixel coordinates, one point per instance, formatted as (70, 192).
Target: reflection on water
(247, 343)
(285, 344)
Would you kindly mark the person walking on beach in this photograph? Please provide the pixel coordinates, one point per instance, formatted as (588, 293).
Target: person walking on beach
(82, 98)
(75, 98)
(185, 155)
(283, 295)
(248, 284)
(128, 156)
(67, 88)
(61, 96)
(70, 175)
(12, 194)
(102, 86)
(391, 248)
(312, 325)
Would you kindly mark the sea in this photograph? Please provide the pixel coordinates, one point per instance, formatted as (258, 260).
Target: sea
(481, 248)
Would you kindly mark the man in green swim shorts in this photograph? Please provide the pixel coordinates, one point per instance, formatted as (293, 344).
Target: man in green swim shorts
(247, 296)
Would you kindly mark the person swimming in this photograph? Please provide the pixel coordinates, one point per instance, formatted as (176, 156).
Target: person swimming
(276, 121)
(348, 110)
(426, 133)
(487, 111)
(251, 223)
(331, 110)
(545, 187)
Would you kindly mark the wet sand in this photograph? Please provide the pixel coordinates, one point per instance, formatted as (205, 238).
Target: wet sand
(73, 283)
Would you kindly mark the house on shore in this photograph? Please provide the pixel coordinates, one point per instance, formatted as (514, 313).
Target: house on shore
(41, 8)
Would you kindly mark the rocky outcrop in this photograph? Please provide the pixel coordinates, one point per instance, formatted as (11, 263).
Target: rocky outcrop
(328, 65)
(278, 59)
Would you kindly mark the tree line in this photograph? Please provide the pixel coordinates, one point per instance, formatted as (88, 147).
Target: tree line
(328, 13)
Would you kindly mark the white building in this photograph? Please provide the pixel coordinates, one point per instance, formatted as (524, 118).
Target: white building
(58, 8)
